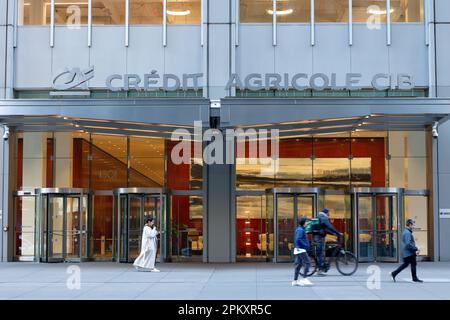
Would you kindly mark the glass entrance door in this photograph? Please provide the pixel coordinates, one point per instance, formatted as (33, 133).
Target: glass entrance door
(289, 204)
(63, 223)
(24, 225)
(134, 206)
(378, 213)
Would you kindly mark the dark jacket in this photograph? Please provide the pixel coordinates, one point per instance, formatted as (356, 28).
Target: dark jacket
(326, 226)
(300, 239)
(409, 247)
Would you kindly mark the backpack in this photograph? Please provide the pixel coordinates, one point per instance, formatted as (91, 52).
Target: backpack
(313, 226)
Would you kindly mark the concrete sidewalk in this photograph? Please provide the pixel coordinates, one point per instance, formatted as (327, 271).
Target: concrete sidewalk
(188, 281)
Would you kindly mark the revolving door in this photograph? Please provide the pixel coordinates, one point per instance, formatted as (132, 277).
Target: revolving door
(63, 218)
(132, 207)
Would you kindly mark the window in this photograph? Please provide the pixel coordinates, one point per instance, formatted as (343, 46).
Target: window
(373, 11)
(108, 12)
(255, 11)
(183, 11)
(331, 11)
(287, 11)
(71, 12)
(407, 10)
(34, 12)
(146, 11)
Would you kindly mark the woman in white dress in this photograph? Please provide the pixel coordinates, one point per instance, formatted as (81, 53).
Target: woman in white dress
(147, 257)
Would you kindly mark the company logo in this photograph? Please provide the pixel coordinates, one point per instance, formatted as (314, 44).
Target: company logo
(73, 78)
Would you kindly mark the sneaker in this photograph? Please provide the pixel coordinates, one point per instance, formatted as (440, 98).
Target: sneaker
(300, 282)
(417, 280)
(294, 283)
(155, 270)
(306, 282)
(321, 273)
(392, 275)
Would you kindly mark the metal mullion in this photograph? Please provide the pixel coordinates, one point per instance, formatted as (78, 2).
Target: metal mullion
(274, 22)
(52, 23)
(350, 22)
(89, 35)
(127, 22)
(238, 20)
(64, 229)
(388, 22)
(202, 17)
(426, 20)
(313, 35)
(275, 227)
(164, 39)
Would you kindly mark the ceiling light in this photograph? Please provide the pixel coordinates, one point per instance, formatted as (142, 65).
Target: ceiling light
(178, 13)
(378, 12)
(281, 12)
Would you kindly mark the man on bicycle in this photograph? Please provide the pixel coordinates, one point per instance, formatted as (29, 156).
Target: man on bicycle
(323, 228)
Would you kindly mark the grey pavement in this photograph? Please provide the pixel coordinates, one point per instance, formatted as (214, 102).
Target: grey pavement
(195, 281)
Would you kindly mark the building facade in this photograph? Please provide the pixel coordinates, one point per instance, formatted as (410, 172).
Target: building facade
(96, 95)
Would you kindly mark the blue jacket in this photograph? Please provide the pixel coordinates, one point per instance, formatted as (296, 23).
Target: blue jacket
(409, 245)
(300, 240)
(327, 227)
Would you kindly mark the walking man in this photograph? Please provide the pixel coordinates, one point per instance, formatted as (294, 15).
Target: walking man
(301, 244)
(409, 252)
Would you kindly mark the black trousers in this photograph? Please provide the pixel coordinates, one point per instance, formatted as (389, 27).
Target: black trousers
(301, 259)
(406, 262)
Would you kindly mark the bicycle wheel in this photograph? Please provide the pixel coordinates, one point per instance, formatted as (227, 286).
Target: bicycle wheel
(346, 263)
(312, 268)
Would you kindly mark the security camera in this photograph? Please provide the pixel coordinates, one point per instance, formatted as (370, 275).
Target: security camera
(434, 131)
(5, 133)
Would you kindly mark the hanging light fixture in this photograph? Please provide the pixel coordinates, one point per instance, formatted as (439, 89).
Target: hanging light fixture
(281, 12)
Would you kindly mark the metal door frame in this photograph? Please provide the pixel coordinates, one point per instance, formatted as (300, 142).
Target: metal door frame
(25, 193)
(160, 193)
(295, 192)
(356, 193)
(43, 196)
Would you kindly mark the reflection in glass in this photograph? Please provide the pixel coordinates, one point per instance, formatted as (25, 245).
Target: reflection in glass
(331, 11)
(331, 171)
(146, 11)
(365, 228)
(371, 11)
(386, 226)
(286, 225)
(294, 172)
(407, 11)
(110, 12)
(416, 207)
(71, 12)
(34, 12)
(187, 227)
(255, 11)
(183, 11)
(251, 234)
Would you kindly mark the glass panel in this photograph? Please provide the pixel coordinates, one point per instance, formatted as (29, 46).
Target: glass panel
(331, 11)
(146, 11)
(372, 11)
(305, 207)
(109, 162)
(255, 11)
(251, 233)
(187, 227)
(151, 209)
(107, 12)
(286, 225)
(34, 12)
(249, 175)
(294, 172)
(270, 225)
(365, 228)
(386, 222)
(134, 227)
(331, 171)
(416, 207)
(24, 226)
(183, 11)
(340, 215)
(407, 11)
(71, 12)
(102, 241)
(123, 227)
(147, 164)
(73, 228)
(56, 223)
(293, 11)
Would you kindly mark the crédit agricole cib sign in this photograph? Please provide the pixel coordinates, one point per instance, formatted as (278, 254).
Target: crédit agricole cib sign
(76, 78)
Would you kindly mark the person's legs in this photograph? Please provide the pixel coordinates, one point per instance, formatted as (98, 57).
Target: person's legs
(404, 265)
(298, 265)
(306, 262)
(319, 252)
(413, 263)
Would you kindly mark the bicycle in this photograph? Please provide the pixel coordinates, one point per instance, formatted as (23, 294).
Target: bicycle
(346, 262)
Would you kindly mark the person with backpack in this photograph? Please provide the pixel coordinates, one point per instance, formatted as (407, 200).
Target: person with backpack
(319, 231)
(301, 246)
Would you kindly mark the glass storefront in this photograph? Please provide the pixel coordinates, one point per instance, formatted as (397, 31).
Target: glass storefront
(101, 163)
(339, 163)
